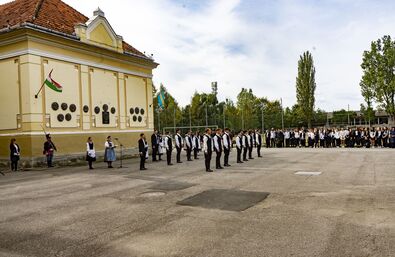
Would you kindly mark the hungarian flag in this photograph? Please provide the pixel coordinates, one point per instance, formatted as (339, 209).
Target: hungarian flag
(52, 84)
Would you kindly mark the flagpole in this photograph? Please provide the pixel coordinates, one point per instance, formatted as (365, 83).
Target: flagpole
(36, 95)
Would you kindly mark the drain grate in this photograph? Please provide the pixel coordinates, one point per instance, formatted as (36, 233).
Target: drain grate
(225, 199)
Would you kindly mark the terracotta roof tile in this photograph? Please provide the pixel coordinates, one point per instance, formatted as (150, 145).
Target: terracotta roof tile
(51, 14)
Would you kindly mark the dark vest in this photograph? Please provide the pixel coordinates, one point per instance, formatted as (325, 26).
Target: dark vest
(209, 144)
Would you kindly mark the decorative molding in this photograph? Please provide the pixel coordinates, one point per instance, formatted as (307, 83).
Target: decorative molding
(76, 132)
(72, 60)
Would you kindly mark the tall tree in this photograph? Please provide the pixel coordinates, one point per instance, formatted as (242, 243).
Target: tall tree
(378, 79)
(305, 87)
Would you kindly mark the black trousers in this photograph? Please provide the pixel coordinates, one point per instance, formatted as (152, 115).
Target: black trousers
(14, 165)
(218, 159)
(154, 152)
(207, 160)
(287, 142)
(178, 154)
(189, 153)
(168, 156)
(90, 162)
(272, 142)
(258, 150)
(250, 152)
(239, 154)
(245, 150)
(267, 142)
(226, 156)
(142, 160)
(195, 153)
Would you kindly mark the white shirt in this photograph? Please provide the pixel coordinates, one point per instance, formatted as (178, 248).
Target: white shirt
(225, 140)
(238, 142)
(257, 139)
(216, 143)
(205, 146)
(179, 139)
(167, 142)
(287, 135)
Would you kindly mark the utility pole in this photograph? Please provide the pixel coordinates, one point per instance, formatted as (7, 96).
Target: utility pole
(263, 124)
(174, 119)
(158, 119)
(206, 116)
(190, 119)
(348, 115)
(224, 117)
(282, 113)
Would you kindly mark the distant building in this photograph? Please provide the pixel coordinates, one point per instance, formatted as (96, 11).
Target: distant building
(107, 83)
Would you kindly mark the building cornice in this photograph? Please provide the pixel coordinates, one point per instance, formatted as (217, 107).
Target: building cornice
(38, 34)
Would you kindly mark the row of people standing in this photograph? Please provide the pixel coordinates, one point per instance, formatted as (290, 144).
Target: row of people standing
(332, 137)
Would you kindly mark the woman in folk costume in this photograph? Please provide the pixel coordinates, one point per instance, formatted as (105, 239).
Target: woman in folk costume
(109, 153)
(90, 152)
(15, 152)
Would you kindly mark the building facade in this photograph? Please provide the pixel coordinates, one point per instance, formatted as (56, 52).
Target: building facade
(107, 83)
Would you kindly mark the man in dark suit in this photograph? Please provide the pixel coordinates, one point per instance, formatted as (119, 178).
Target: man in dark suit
(207, 149)
(155, 145)
(258, 142)
(179, 144)
(218, 148)
(169, 147)
(143, 147)
(227, 145)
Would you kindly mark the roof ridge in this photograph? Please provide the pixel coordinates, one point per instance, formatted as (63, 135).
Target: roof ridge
(37, 10)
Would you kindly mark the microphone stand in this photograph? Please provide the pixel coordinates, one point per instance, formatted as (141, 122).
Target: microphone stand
(121, 145)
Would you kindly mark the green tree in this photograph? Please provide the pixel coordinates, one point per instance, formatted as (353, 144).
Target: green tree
(305, 87)
(378, 79)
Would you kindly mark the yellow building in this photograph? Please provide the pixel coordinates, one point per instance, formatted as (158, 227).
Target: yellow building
(107, 84)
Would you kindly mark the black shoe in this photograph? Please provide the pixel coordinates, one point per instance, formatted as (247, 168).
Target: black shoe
(220, 168)
(227, 165)
(245, 160)
(190, 160)
(91, 168)
(143, 169)
(179, 162)
(251, 158)
(259, 156)
(209, 170)
(170, 164)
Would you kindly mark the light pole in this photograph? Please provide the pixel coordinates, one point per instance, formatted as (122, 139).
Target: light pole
(206, 116)
(190, 119)
(224, 116)
(174, 121)
(158, 119)
(282, 114)
(263, 124)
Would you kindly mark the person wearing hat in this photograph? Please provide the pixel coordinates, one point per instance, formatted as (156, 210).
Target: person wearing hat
(49, 148)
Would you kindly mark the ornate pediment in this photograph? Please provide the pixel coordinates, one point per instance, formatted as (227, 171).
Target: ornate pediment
(98, 31)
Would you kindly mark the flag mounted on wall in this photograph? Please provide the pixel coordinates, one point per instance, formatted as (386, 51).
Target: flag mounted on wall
(51, 83)
(161, 99)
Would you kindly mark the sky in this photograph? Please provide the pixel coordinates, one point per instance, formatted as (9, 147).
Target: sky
(252, 44)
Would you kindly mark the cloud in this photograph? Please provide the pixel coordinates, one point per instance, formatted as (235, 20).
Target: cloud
(254, 44)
